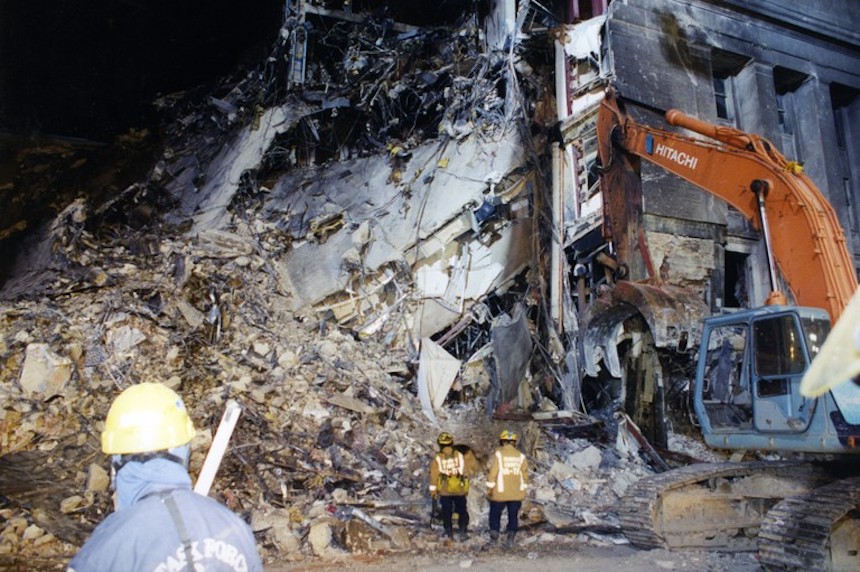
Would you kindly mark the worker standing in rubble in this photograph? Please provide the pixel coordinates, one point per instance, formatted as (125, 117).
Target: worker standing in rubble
(449, 481)
(160, 523)
(507, 482)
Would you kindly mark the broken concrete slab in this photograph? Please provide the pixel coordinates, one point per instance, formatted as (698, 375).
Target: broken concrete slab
(44, 373)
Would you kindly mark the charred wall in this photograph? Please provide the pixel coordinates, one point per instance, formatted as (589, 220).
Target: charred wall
(791, 75)
(78, 82)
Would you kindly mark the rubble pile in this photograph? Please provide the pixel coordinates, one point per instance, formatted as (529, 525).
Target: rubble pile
(319, 256)
(330, 454)
(331, 425)
(327, 419)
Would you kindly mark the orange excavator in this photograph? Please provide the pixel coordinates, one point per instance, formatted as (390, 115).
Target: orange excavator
(803, 510)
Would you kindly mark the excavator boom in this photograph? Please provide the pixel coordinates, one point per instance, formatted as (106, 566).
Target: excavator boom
(810, 248)
(747, 390)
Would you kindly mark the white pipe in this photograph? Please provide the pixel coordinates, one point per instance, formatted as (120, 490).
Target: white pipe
(556, 280)
(559, 189)
(219, 446)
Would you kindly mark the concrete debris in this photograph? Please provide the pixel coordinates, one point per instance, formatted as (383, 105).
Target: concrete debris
(98, 479)
(45, 373)
(320, 537)
(587, 460)
(348, 246)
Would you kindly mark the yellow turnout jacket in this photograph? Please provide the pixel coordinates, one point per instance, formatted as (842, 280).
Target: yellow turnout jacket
(446, 465)
(507, 478)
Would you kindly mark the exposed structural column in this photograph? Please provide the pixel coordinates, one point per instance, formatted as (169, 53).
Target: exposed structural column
(562, 157)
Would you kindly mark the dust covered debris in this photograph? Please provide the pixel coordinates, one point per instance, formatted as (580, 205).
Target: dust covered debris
(309, 231)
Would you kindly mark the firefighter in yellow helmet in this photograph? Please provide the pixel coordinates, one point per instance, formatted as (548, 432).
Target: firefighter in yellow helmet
(450, 472)
(507, 482)
(160, 523)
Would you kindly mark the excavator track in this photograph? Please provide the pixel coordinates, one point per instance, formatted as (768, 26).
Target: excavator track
(711, 505)
(819, 530)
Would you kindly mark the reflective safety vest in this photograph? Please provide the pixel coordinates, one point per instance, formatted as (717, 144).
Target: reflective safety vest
(448, 473)
(507, 478)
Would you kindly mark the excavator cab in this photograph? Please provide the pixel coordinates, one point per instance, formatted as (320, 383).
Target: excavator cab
(747, 390)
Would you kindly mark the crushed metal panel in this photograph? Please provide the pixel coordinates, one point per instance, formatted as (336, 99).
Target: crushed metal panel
(243, 153)
(431, 317)
(435, 281)
(673, 314)
(401, 221)
(442, 239)
(489, 266)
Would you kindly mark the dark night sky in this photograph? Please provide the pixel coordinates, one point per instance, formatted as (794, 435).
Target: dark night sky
(91, 68)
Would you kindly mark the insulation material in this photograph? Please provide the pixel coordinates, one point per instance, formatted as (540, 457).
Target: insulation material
(582, 41)
(437, 370)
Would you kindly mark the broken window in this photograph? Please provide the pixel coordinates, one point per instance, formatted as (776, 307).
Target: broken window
(726, 387)
(725, 67)
(846, 114)
(786, 83)
(736, 292)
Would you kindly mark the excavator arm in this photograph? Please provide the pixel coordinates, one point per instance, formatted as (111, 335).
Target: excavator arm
(746, 392)
(806, 240)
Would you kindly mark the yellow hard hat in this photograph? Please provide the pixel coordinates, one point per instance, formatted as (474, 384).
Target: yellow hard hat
(146, 417)
(508, 436)
(445, 439)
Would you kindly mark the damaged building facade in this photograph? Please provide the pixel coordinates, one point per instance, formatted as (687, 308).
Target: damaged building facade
(433, 178)
(761, 67)
(428, 185)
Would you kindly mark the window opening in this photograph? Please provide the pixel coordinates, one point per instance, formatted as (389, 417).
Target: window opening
(722, 96)
(725, 67)
(846, 105)
(736, 289)
(786, 82)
